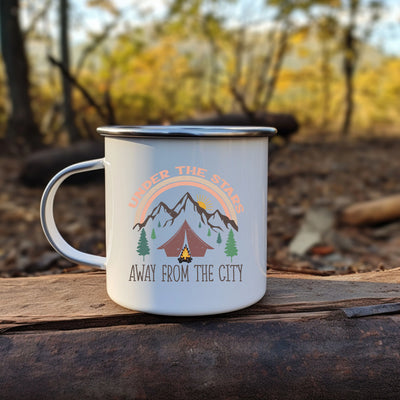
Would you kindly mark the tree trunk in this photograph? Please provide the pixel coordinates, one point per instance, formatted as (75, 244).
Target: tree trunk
(275, 68)
(326, 84)
(214, 70)
(264, 70)
(348, 70)
(69, 114)
(21, 130)
(349, 64)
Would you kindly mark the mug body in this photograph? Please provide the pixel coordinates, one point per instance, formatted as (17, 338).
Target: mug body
(186, 222)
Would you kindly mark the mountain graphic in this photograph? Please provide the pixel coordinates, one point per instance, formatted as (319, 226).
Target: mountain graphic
(184, 207)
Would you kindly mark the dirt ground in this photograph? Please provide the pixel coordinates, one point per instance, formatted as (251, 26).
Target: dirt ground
(305, 177)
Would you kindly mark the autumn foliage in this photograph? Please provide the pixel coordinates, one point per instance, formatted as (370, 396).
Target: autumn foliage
(197, 58)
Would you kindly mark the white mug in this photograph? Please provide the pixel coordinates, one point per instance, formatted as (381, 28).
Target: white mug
(186, 217)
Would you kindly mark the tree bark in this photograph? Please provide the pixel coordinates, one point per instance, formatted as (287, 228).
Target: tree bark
(21, 130)
(63, 338)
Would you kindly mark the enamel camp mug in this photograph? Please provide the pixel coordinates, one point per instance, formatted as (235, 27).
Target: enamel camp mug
(186, 217)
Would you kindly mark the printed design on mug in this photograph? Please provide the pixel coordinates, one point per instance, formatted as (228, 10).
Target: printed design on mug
(186, 214)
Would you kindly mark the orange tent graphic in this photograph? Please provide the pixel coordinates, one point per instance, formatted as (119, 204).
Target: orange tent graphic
(197, 246)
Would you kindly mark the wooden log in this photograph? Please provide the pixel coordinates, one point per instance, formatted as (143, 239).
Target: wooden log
(372, 212)
(73, 298)
(63, 338)
(286, 124)
(320, 358)
(41, 166)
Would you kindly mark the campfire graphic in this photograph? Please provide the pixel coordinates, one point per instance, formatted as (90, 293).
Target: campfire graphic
(185, 234)
(185, 255)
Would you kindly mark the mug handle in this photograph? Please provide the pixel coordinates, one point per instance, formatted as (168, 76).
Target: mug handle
(47, 217)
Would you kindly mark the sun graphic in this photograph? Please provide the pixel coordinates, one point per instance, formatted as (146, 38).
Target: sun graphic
(204, 202)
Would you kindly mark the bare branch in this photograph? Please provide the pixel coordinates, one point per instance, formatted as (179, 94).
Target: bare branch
(237, 93)
(264, 70)
(275, 70)
(109, 107)
(36, 18)
(241, 101)
(84, 92)
(91, 47)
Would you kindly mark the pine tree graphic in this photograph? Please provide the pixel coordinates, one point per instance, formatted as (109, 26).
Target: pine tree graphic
(230, 247)
(143, 245)
(159, 224)
(219, 238)
(153, 234)
(209, 232)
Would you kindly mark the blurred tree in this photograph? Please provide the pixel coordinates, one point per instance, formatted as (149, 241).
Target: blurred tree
(273, 57)
(153, 78)
(70, 76)
(244, 62)
(37, 11)
(21, 129)
(326, 28)
(349, 63)
(69, 113)
(351, 44)
(97, 39)
(303, 57)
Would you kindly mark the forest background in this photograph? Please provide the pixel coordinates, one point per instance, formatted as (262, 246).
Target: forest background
(70, 66)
